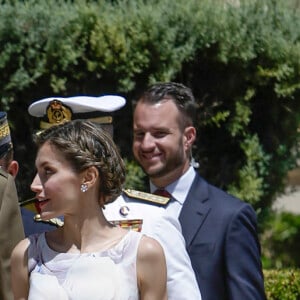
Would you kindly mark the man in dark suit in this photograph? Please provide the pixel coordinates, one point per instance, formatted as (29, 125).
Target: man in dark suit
(219, 229)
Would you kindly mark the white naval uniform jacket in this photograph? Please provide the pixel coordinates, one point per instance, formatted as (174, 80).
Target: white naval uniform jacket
(181, 280)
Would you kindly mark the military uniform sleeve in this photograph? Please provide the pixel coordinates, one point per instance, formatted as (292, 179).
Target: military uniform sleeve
(182, 282)
(11, 230)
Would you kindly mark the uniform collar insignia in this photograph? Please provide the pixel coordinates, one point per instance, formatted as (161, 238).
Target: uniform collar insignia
(151, 198)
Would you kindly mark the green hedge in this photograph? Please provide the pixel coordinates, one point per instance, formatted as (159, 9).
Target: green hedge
(242, 61)
(280, 241)
(283, 284)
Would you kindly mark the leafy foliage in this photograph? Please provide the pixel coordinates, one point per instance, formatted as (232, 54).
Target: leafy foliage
(241, 59)
(280, 241)
(135, 178)
(282, 284)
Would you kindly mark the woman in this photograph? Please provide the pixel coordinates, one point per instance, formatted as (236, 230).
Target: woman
(78, 170)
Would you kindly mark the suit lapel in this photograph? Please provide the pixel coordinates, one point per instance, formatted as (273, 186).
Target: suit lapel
(194, 210)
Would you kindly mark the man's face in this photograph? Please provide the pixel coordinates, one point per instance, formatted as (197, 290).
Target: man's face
(160, 144)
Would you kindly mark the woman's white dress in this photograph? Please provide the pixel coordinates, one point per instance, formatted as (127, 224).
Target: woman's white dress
(104, 275)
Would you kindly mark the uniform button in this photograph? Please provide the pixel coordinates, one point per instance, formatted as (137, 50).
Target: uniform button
(124, 211)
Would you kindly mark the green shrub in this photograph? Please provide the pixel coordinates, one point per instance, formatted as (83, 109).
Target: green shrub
(282, 284)
(241, 58)
(246, 76)
(280, 241)
(135, 177)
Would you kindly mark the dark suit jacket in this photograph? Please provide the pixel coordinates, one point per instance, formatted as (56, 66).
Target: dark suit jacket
(221, 239)
(11, 230)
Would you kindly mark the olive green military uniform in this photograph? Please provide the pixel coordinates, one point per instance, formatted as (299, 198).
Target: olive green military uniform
(11, 230)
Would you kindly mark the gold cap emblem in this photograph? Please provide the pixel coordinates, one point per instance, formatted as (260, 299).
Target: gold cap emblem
(58, 113)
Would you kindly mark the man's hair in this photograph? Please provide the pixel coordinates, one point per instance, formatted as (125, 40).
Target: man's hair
(181, 96)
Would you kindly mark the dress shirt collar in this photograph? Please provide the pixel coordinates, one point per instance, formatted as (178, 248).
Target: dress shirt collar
(180, 187)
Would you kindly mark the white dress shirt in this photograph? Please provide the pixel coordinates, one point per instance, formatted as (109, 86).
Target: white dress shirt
(179, 190)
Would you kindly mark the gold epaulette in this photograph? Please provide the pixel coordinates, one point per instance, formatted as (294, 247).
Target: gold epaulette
(55, 221)
(147, 197)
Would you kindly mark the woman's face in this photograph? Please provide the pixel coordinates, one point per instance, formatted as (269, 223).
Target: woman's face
(56, 184)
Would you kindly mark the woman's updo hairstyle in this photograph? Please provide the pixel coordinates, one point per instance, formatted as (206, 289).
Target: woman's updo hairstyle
(85, 144)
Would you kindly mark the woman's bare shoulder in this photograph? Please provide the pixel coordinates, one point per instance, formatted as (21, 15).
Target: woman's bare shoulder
(150, 249)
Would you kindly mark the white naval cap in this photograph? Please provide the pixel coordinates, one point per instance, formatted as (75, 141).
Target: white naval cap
(56, 110)
(79, 104)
